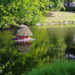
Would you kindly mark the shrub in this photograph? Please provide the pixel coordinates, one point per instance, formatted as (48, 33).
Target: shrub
(19, 11)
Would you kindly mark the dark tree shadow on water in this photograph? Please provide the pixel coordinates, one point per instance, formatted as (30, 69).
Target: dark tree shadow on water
(70, 50)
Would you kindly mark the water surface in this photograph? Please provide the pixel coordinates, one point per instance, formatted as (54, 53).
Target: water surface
(51, 40)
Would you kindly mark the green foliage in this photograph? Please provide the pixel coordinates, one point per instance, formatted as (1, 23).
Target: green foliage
(57, 5)
(57, 68)
(25, 11)
(19, 11)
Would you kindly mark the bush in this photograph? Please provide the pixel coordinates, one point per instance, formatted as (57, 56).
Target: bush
(19, 11)
(14, 12)
(57, 68)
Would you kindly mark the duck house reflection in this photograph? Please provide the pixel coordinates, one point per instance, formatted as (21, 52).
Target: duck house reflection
(23, 39)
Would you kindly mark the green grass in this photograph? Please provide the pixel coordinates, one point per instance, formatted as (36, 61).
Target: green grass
(58, 18)
(57, 68)
(58, 26)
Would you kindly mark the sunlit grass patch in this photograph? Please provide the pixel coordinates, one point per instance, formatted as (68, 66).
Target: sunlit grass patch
(57, 17)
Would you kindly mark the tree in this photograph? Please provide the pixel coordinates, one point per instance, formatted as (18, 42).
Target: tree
(14, 12)
(68, 2)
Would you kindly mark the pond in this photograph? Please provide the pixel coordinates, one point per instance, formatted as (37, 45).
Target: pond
(54, 42)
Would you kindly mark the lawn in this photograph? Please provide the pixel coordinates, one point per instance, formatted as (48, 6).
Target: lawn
(58, 68)
(57, 17)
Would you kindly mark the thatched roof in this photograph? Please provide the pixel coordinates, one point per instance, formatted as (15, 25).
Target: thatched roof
(23, 30)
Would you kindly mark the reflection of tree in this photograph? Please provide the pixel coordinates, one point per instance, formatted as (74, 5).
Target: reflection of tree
(69, 38)
(56, 43)
(70, 44)
(70, 50)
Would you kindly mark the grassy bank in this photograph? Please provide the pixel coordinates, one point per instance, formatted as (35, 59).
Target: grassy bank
(58, 68)
(58, 26)
(59, 18)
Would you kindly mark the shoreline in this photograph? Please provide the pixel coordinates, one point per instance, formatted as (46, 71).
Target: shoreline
(56, 26)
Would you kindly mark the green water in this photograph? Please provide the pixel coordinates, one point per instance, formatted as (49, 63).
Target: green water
(48, 40)
(51, 44)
